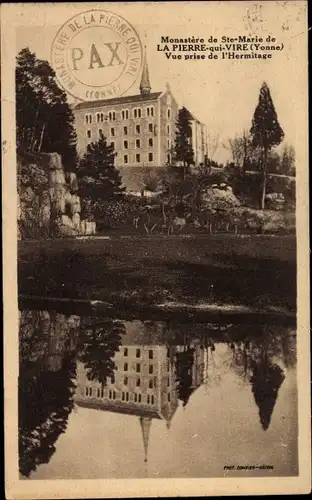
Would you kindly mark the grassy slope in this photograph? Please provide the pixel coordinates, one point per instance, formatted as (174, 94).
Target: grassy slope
(252, 270)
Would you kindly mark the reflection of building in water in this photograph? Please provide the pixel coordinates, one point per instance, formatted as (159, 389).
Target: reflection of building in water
(144, 384)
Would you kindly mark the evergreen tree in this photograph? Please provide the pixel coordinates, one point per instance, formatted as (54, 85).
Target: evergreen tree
(183, 151)
(44, 119)
(184, 364)
(99, 180)
(266, 133)
(266, 381)
(100, 342)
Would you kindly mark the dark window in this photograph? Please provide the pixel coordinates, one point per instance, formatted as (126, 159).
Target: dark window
(150, 384)
(123, 396)
(150, 127)
(125, 351)
(148, 399)
(138, 158)
(114, 395)
(152, 111)
(126, 144)
(168, 398)
(126, 158)
(168, 381)
(126, 367)
(110, 394)
(112, 132)
(139, 112)
(98, 393)
(150, 354)
(138, 353)
(100, 133)
(114, 116)
(102, 117)
(125, 130)
(138, 382)
(137, 143)
(126, 381)
(150, 142)
(123, 114)
(147, 111)
(138, 367)
(102, 393)
(135, 397)
(150, 369)
(168, 113)
(87, 391)
(112, 144)
(127, 396)
(135, 113)
(168, 129)
(138, 129)
(150, 156)
(112, 379)
(89, 134)
(140, 398)
(90, 391)
(152, 399)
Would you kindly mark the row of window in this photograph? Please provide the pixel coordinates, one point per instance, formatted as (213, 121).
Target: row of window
(138, 143)
(125, 396)
(125, 115)
(138, 353)
(151, 129)
(138, 368)
(138, 158)
(137, 129)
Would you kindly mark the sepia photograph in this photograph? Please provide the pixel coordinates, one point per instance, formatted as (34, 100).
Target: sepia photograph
(156, 257)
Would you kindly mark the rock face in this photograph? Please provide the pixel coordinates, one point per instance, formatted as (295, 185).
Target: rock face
(48, 204)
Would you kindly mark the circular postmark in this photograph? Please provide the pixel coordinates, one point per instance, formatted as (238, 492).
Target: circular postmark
(96, 55)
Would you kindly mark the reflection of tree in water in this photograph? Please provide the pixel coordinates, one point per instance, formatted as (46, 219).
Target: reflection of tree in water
(253, 358)
(266, 380)
(45, 402)
(45, 391)
(184, 365)
(97, 348)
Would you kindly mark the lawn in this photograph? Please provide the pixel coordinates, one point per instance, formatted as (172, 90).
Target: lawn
(255, 270)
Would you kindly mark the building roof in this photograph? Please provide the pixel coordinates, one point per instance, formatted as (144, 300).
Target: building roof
(119, 100)
(126, 409)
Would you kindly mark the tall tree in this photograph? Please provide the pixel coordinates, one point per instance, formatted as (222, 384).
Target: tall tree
(287, 163)
(266, 381)
(183, 151)
(184, 364)
(99, 180)
(99, 344)
(266, 133)
(44, 119)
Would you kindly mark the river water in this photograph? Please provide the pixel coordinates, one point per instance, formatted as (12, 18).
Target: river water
(102, 398)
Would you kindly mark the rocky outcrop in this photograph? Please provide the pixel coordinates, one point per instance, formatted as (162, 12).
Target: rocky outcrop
(48, 204)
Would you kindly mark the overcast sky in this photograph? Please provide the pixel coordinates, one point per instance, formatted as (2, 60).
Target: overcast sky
(222, 94)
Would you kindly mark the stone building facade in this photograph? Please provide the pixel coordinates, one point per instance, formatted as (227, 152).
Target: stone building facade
(141, 127)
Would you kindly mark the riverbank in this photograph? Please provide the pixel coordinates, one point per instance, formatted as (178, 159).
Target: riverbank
(256, 272)
(204, 313)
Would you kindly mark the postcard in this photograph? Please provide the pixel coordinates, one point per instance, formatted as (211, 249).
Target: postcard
(156, 256)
